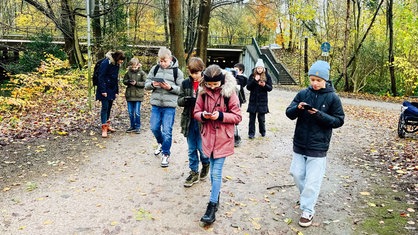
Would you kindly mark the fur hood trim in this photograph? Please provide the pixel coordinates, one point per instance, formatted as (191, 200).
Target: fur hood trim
(109, 56)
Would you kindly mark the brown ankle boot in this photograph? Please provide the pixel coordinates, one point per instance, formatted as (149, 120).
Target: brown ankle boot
(105, 127)
(109, 128)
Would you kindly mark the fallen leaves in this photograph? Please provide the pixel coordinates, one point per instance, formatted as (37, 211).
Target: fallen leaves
(142, 214)
(30, 186)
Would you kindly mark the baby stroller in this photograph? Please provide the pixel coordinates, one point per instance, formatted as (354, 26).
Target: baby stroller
(408, 120)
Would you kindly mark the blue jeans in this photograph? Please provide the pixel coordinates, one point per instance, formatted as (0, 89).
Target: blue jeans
(308, 173)
(194, 142)
(105, 112)
(134, 110)
(162, 120)
(216, 166)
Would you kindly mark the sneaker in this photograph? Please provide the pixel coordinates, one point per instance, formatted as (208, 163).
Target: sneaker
(137, 131)
(251, 137)
(306, 219)
(158, 149)
(192, 179)
(130, 130)
(204, 172)
(263, 134)
(164, 160)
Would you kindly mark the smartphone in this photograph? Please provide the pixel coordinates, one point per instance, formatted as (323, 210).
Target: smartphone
(307, 107)
(158, 80)
(206, 113)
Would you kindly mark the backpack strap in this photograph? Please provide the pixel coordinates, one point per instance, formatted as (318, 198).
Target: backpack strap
(226, 101)
(157, 67)
(175, 72)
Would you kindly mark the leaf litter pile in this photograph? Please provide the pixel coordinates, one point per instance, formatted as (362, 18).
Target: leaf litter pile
(396, 155)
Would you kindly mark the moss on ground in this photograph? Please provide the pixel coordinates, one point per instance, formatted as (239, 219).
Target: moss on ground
(386, 211)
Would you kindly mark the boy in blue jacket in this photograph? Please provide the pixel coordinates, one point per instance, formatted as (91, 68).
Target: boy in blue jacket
(318, 110)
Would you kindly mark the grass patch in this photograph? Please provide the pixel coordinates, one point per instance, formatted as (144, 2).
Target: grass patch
(387, 212)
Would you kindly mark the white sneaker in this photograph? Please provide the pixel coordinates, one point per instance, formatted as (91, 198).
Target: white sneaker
(306, 219)
(164, 160)
(158, 149)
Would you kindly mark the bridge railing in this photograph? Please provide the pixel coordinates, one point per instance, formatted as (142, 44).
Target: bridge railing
(134, 38)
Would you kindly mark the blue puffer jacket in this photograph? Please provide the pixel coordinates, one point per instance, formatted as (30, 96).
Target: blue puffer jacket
(108, 78)
(313, 132)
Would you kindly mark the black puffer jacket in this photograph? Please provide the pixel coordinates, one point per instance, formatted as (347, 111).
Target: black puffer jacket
(313, 131)
(258, 102)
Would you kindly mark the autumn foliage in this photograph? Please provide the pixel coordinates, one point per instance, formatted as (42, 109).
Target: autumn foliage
(42, 103)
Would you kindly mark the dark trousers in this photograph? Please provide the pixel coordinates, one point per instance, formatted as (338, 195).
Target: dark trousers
(261, 124)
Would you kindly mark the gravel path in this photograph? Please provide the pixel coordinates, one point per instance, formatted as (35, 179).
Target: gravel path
(120, 188)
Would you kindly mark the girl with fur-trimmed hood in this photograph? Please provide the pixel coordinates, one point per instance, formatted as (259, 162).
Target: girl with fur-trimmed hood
(218, 120)
(107, 87)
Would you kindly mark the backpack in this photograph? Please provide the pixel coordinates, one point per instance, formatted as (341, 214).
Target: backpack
(175, 72)
(96, 72)
(226, 101)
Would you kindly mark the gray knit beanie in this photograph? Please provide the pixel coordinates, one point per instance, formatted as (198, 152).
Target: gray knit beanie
(320, 69)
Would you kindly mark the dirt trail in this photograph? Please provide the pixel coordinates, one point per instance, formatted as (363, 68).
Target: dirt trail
(121, 189)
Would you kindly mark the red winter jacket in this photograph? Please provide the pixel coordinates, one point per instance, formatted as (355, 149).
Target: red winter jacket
(218, 135)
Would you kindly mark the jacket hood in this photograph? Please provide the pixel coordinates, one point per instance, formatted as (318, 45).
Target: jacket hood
(228, 88)
(109, 56)
(174, 62)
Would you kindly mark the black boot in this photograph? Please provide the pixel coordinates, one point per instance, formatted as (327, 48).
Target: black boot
(209, 216)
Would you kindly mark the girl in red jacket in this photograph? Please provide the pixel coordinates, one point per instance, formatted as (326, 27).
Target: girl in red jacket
(217, 108)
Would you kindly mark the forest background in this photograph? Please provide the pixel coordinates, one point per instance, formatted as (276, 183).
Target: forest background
(373, 51)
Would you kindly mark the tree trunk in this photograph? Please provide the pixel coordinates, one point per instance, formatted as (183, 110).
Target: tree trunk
(203, 27)
(346, 37)
(176, 31)
(391, 56)
(167, 36)
(97, 30)
(71, 46)
(66, 24)
(191, 32)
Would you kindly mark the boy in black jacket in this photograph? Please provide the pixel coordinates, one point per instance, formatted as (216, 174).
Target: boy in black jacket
(189, 126)
(318, 110)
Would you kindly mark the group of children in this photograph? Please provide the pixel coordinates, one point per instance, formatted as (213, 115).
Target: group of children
(211, 102)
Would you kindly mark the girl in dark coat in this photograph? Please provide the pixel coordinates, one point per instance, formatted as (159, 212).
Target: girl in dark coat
(107, 87)
(259, 83)
(318, 110)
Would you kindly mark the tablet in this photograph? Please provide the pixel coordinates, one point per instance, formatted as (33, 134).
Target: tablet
(158, 80)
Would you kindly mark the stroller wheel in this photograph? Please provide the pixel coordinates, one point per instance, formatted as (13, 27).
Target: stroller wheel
(401, 126)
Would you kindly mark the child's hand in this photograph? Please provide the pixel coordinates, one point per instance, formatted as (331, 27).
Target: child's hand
(156, 84)
(207, 115)
(215, 115)
(301, 104)
(165, 86)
